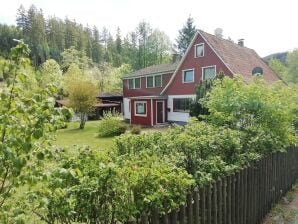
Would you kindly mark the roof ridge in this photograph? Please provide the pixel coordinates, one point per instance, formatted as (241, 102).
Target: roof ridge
(223, 39)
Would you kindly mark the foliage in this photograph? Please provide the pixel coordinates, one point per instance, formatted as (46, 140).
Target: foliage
(278, 67)
(82, 92)
(111, 124)
(263, 113)
(197, 109)
(186, 35)
(292, 64)
(25, 123)
(73, 56)
(94, 187)
(136, 130)
(202, 150)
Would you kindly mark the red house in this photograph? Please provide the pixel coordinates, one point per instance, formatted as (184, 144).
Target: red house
(163, 93)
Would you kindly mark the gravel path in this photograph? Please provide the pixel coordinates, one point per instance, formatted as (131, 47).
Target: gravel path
(286, 211)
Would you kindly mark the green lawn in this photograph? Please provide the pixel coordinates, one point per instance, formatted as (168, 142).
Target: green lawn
(72, 135)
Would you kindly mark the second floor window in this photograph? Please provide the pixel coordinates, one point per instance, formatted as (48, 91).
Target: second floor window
(134, 83)
(154, 81)
(209, 72)
(188, 76)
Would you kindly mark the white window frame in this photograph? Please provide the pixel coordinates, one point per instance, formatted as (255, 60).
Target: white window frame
(181, 98)
(193, 75)
(135, 109)
(134, 83)
(154, 81)
(211, 66)
(199, 44)
(160, 81)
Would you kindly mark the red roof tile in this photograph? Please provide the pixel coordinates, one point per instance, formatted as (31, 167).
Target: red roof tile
(240, 60)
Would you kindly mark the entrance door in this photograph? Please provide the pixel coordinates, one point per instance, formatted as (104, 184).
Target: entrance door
(159, 112)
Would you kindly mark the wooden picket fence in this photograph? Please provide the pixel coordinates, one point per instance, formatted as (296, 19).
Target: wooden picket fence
(244, 197)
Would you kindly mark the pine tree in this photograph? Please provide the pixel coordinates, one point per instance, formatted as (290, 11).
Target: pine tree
(185, 35)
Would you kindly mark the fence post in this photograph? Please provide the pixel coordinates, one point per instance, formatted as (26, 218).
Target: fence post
(219, 198)
(189, 208)
(214, 203)
(203, 205)
(196, 206)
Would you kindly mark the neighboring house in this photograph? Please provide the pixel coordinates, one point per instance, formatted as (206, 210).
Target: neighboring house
(107, 101)
(163, 93)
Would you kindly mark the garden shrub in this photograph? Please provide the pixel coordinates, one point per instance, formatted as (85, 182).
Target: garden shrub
(111, 124)
(98, 187)
(136, 129)
(263, 113)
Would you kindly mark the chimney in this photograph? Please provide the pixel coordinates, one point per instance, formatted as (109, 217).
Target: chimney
(241, 42)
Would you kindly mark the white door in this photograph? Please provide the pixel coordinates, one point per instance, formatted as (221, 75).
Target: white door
(126, 105)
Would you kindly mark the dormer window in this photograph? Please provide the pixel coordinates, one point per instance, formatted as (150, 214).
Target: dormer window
(153, 81)
(199, 50)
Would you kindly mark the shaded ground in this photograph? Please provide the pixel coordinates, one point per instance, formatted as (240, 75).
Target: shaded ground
(286, 211)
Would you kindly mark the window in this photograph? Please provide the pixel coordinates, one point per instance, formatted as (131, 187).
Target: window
(188, 76)
(130, 84)
(157, 81)
(137, 83)
(181, 104)
(154, 81)
(150, 83)
(134, 83)
(140, 108)
(209, 72)
(199, 50)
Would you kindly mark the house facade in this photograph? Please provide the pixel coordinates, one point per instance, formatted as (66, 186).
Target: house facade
(163, 93)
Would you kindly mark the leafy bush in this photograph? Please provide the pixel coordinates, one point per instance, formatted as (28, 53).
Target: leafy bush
(97, 186)
(111, 125)
(136, 130)
(264, 114)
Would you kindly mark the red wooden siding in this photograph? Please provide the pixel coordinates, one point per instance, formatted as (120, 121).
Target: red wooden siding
(146, 121)
(190, 62)
(143, 91)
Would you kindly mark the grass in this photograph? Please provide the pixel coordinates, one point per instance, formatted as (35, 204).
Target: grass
(72, 136)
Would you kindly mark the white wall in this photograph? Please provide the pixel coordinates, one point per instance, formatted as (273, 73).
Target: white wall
(178, 116)
(126, 110)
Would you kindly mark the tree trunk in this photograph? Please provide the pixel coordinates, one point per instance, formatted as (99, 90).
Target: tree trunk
(83, 121)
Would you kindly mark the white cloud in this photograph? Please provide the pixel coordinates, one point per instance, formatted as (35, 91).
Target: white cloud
(266, 26)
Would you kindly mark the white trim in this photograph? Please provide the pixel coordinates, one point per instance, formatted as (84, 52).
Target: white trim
(135, 109)
(195, 46)
(178, 116)
(211, 66)
(134, 80)
(134, 83)
(163, 110)
(184, 57)
(154, 75)
(193, 75)
(152, 81)
(180, 63)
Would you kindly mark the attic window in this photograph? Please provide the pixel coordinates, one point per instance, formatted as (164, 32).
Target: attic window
(257, 71)
(208, 72)
(199, 50)
(134, 83)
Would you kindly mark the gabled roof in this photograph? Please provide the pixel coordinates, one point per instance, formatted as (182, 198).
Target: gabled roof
(240, 60)
(154, 69)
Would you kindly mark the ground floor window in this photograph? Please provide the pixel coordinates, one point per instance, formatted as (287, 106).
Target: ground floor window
(140, 108)
(181, 104)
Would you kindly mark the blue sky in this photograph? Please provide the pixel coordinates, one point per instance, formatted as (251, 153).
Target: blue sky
(267, 26)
